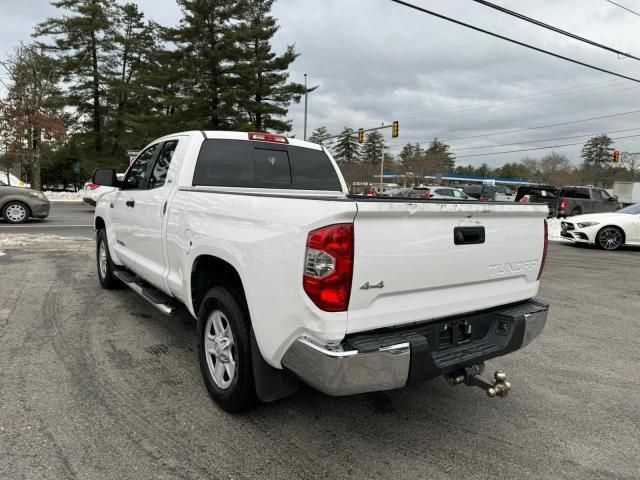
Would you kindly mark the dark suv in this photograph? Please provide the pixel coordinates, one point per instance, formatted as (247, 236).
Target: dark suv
(572, 201)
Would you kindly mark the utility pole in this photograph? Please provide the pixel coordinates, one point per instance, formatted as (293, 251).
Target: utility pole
(306, 96)
(381, 166)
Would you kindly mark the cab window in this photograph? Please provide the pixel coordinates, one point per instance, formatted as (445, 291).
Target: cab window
(161, 167)
(138, 173)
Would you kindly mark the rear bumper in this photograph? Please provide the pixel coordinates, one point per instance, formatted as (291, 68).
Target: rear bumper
(390, 358)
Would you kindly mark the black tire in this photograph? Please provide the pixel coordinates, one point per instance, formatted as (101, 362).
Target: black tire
(105, 273)
(576, 211)
(11, 217)
(610, 238)
(240, 393)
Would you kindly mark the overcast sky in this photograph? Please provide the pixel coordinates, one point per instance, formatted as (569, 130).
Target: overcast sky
(375, 61)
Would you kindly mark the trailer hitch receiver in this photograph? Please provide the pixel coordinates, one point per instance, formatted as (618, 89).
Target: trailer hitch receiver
(471, 376)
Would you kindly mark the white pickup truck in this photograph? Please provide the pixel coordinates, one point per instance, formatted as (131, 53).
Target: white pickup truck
(291, 278)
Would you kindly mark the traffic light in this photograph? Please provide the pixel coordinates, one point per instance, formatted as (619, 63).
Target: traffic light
(361, 135)
(395, 129)
(616, 156)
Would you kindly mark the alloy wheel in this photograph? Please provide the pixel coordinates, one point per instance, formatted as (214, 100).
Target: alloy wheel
(610, 238)
(220, 349)
(16, 213)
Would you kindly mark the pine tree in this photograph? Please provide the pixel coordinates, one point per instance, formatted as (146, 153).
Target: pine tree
(207, 56)
(438, 157)
(81, 42)
(406, 154)
(134, 44)
(264, 92)
(347, 148)
(597, 152)
(320, 135)
(373, 147)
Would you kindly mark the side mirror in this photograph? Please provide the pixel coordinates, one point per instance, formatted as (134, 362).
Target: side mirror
(106, 177)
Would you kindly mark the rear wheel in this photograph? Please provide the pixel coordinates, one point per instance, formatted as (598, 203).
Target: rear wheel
(225, 351)
(15, 212)
(610, 238)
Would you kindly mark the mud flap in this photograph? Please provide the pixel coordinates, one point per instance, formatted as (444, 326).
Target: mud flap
(271, 383)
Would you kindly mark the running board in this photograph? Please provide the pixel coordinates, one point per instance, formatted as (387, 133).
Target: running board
(155, 297)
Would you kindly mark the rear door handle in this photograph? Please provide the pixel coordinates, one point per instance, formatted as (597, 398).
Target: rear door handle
(468, 235)
(130, 203)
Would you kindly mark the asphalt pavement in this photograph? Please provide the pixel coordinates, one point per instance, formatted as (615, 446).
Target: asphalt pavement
(64, 220)
(95, 384)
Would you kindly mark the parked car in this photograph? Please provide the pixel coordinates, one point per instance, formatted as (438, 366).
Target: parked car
(539, 194)
(292, 279)
(574, 201)
(609, 231)
(438, 192)
(91, 192)
(17, 204)
(489, 192)
(395, 192)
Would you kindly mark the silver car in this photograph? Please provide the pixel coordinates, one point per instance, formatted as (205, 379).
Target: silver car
(17, 204)
(438, 192)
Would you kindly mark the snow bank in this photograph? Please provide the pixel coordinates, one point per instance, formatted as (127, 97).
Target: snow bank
(64, 196)
(12, 240)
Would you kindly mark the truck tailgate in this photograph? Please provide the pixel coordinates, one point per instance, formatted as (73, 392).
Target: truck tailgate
(408, 267)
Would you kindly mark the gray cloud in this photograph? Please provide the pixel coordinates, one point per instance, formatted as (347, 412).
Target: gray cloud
(376, 61)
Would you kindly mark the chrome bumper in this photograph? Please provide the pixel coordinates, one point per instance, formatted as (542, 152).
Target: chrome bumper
(348, 372)
(343, 371)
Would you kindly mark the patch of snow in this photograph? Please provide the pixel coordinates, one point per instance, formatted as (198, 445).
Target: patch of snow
(64, 196)
(11, 240)
(2, 253)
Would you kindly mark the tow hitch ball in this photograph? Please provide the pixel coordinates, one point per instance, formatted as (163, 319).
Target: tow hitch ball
(470, 376)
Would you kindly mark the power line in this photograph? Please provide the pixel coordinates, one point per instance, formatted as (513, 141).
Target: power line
(552, 28)
(543, 126)
(490, 110)
(623, 7)
(535, 148)
(511, 40)
(458, 149)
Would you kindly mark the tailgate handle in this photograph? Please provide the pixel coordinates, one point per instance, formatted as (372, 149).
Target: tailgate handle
(468, 235)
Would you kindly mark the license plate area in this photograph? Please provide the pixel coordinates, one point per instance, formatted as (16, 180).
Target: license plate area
(454, 333)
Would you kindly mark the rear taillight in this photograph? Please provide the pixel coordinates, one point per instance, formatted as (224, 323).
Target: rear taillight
(328, 267)
(428, 195)
(92, 186)
(563, 204)
(268, 137)
(545, 248)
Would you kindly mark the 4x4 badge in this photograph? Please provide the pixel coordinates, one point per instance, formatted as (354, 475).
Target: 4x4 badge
(367, 285)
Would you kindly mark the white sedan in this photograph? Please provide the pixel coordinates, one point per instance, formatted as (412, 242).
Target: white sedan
(609, 230)
(92, 192)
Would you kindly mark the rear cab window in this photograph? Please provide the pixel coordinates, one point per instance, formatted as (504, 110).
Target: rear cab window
(247, 164)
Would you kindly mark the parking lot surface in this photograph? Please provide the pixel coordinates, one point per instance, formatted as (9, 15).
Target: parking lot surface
(64, 220)
(96, 385)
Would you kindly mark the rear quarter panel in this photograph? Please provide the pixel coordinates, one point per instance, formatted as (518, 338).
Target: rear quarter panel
(264, 239)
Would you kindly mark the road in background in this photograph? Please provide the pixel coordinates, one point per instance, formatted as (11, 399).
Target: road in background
(96, 385)
(64, 220)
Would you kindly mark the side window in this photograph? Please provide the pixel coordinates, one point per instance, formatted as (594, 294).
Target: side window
(597, 195)
(583, 193)
(456, 193)
(161, 167)
(136, 177)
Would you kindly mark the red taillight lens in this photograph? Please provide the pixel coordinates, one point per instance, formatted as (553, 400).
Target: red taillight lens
(93, 186)
(268, 137)
(545, 248)
(563, 204)
(328, 267)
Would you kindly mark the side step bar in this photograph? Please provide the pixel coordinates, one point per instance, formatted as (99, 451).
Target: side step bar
(155, 297)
